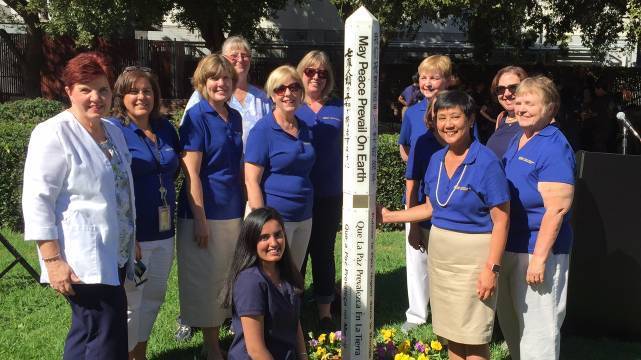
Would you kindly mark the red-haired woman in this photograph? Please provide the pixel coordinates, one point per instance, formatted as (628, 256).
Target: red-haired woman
(78, 205)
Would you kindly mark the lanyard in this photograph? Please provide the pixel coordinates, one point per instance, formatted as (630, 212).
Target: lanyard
(155, 151)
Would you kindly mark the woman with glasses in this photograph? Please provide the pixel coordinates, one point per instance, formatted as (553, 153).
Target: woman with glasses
(279, 158)
(78, 205)
(154, 148)
(211, 203)
(325, 117)
(250, 101)
(504, 87)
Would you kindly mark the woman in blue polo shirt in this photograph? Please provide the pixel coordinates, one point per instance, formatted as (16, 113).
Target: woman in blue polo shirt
(539, 165)
(325, 117)
(153, 144)
(279, 158)
(264, 288)
(211, 205)
(469, 206)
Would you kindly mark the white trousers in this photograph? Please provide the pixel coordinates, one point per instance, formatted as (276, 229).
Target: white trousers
(298, 234)
(531, 316)
(144, 301)
(418, 290)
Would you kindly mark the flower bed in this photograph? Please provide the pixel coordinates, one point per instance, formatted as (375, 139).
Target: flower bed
(389, 345)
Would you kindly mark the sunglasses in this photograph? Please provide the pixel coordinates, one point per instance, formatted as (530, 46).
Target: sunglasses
(500, 90)
(293, 88)
(238, 57)
(137, 68)
(310, 72)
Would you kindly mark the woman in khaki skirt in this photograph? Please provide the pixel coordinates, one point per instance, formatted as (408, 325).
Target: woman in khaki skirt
(469, 208)
(211, 204)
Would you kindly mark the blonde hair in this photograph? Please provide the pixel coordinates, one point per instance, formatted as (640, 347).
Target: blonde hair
(545, 88)
(277, 78)
(436, 63)
(213, 66)
(234, 43)
(318, 58)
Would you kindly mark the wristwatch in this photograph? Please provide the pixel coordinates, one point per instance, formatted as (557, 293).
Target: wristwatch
(495, 268)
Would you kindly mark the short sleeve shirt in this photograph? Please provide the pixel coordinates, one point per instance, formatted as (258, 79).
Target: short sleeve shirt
(463, 202)
(255, 294)
(327, 128)
(287, 162)
(547, 157)
(413, 124)
(204, 130)
(149, 160)
(419, 158)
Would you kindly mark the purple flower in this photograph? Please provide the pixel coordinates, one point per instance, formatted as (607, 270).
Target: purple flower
(419, 346)
(313, 342)
(380, 351)
(339, 335)
(391, 349)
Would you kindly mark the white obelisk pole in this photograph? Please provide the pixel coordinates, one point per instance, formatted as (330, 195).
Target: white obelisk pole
(359, 182)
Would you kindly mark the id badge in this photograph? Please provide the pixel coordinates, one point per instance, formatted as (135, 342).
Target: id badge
(164, 218)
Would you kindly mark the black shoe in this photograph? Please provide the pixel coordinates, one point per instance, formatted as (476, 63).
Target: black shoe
(184, 332)
(326, 325)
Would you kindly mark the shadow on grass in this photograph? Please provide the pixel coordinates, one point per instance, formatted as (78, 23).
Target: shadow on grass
(180, 354)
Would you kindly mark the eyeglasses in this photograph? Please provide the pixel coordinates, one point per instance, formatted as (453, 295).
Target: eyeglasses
(310, 72)
(238, 57)
(293, 88)
(137, 68)
(500, 90)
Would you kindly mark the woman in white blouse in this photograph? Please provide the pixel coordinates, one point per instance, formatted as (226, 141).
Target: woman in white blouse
(78, 205)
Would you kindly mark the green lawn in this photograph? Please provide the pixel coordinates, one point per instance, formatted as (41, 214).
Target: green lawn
(34, 320)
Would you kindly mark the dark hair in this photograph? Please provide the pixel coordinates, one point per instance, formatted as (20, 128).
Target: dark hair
(125, 83)
(245, 255)
(455, 98)
(415, 78)
(85, 67)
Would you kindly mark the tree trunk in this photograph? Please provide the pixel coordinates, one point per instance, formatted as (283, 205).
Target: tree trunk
(32, 64)
(213, 36)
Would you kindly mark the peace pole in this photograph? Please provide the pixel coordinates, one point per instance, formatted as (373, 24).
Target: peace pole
(359, 182)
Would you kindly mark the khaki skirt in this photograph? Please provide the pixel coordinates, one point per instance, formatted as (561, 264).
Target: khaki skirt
(455, 261)
(202, 273)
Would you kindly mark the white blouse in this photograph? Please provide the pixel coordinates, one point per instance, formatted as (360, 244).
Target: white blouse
(69, 195)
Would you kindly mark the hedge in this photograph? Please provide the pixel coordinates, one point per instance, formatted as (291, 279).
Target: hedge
(18, 118)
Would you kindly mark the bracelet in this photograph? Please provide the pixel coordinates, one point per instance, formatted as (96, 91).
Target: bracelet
(52, 258)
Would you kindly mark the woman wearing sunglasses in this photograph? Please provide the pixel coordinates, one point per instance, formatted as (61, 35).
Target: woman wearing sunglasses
(154, 148)
(504, 87)
(325, 117)
(279, 157)
(211, 204)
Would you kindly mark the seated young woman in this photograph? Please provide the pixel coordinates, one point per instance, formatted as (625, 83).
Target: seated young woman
(264, 289)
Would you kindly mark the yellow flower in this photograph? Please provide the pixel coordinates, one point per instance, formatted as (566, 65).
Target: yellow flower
(402, 357)
(320, 351)
(422, 357)
(404, 347)
(387, 334)
(339, 352)
(332, 337)
(321, 338)
(436, 345)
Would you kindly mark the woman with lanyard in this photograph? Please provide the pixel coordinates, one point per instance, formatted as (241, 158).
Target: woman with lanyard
(153, 144)
(78, 205)
(468, 203)
(539, 165)
(504, 87)
(250, 101)
(279, 158)
(325, 118)
(211, 204)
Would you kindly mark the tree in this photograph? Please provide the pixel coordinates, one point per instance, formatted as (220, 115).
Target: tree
(83, 20)
(217, 18)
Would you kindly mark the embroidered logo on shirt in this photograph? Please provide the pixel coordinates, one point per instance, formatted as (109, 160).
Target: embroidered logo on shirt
(462, 188)
(331, 118)
(526, 160)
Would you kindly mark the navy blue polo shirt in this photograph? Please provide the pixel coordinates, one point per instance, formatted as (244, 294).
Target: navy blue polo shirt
(145, 169)
(502, 137)
(287, 162)
(419, 158)
(413, 124)
(547, 157)
(221, 145)
(482, 186)
(327, 128)
(255, 294)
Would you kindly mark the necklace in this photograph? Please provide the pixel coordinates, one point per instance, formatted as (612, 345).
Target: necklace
(438, 185)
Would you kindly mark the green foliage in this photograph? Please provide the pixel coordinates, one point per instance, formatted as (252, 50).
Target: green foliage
(17, 119)
(390, 176)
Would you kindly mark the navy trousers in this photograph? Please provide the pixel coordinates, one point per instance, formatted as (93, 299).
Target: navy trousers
(326, 218)
(98, 323)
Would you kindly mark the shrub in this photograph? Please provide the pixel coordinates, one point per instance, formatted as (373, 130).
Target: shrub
(390, 178)
(17, 119)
